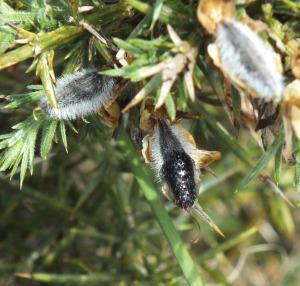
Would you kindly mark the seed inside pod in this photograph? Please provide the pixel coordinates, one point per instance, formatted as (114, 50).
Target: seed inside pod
(249, 62)
(173, 165)
(79, 94)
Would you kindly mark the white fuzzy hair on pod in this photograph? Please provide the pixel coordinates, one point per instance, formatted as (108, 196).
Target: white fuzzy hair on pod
(156, 152)
(246, 58)
(79, 94)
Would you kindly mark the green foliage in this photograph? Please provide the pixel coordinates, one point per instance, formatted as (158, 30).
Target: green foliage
(264, 160)
(19, 145)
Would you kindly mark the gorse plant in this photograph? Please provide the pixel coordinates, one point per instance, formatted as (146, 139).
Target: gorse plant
(152, 61)
(19, 146)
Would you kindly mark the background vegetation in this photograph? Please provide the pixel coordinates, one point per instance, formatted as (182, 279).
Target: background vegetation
(93, 215)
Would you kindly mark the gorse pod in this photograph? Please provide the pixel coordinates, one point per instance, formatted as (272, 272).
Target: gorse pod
(243, 57)
(174, 164)
(172, 153)
(248, 62)
(79, 94)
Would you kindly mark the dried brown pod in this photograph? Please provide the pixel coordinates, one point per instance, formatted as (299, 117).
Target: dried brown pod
(211, 12)
(296, 64)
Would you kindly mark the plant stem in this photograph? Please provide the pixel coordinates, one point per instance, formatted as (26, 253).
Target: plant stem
(44, 42)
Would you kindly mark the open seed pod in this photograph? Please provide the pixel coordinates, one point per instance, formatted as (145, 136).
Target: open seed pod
(250, 63)
(172, 153)
(243, 57)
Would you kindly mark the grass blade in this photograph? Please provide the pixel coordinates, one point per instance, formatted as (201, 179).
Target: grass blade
(263, 161)
(171, 108)
(277, 166)
(227, 244)
(88, 279)
(156, 12)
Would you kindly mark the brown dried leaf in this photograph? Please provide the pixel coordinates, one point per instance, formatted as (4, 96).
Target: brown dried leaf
(211, 12)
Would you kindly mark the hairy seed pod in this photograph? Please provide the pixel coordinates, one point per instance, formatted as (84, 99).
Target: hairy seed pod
(174, 165)
(249, 62)
(172, 152)
(79, 94)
